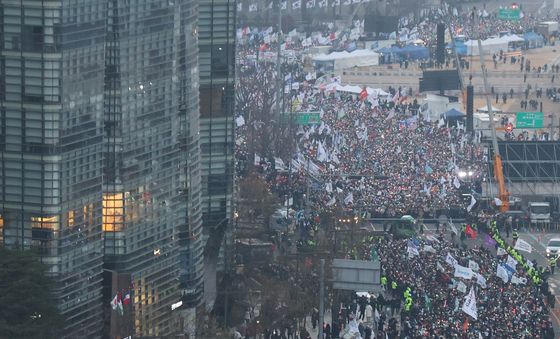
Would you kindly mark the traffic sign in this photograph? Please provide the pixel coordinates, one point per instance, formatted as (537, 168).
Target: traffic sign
(509, 13)
(529, 120)
(304, 118)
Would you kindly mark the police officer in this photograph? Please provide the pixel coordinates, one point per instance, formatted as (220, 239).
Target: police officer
(552, 264)
(384, 282)
(515, 236)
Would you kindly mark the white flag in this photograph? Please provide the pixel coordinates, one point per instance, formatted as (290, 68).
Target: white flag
(331, 202)
(412, 251)
(296, 4)
(461, 287)
(463, 272)
(347, 2)
(439, 267)
(456, 183)
(469, 307)
(471, 205)
(428, 248)
(252, 7)
(328, 187)
(239, 6)
(450, 260)
(432, 238)
(522, 245)
(481, 280)
(473, 265)
(498, 202)
(511, 262)
(321, 153)
(257, 160)
(501, 252)
(349, 199)
(502, 273)
(310, 4)
(517, 280)
(240, 121)
(284, 5)
(453, 228)
(335, 3)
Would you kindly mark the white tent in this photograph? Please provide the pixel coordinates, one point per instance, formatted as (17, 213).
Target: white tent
(343, 60)
(489, 46)
(374, 92)
(485, 109)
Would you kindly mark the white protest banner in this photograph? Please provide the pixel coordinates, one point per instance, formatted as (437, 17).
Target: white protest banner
(501, 252)
(522, 245)
(461, 287)
(502, 273)
(511, 262)
(469, 307)
(481, 280)
(463, 272)
(473, 265)
(517, 280)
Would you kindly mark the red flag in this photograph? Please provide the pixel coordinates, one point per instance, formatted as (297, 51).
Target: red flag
(126, 299)
(470, 232)
(363, 94)
(262, 48)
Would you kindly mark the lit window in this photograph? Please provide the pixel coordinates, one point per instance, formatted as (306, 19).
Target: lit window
(50, 223)
(113, 212)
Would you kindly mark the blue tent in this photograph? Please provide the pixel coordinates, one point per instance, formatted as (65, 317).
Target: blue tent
(408, 52)
(533, 40)
(460, 47)
(453, 114)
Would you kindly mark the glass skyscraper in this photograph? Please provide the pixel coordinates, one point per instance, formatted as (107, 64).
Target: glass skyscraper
(100, 156)
(217, 79)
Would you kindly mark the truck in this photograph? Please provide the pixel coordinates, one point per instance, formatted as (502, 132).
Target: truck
(539, 212)
(548, 28)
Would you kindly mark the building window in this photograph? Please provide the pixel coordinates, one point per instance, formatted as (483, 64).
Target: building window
(113, 212)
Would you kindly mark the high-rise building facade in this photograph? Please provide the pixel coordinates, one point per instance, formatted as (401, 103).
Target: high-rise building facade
(100, 155)
(217, 79)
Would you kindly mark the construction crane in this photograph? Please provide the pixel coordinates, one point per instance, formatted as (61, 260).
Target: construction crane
(503, 194)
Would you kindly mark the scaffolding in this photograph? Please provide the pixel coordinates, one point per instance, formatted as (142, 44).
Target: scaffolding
(531, 168)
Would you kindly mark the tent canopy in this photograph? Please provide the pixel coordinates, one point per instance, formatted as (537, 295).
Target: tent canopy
(453, 114)
(485, 109)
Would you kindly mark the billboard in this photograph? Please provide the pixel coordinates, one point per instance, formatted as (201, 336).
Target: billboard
(356, 275)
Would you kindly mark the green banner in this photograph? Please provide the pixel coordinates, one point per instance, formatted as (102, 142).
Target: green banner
(529, 120)
(509, 14)
(304, 118)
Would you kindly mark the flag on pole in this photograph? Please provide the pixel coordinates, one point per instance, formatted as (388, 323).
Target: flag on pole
(115, 302)
(335, 3)
(471, 205)
(119, 304)
(349, 199)
(469, 306)
(296, 4)
(363, 94)
(522, 245)
(284, 5)
(470, 232)
(126, 300)
(252, 7)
